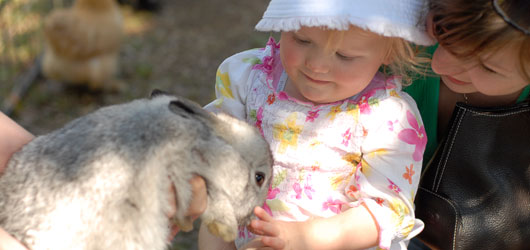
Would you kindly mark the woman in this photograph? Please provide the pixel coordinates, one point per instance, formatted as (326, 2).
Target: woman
(482, 61)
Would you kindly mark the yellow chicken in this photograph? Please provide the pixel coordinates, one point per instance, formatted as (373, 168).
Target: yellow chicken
(82, 44)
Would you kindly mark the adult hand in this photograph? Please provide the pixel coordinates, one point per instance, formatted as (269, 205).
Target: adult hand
(198, 203)
(8, 242)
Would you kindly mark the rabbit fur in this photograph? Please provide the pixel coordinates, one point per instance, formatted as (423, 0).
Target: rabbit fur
(101, 181)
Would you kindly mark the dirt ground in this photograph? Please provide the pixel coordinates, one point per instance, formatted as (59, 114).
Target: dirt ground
(176, 48)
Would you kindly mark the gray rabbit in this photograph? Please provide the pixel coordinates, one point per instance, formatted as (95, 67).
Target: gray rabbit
(101, 181)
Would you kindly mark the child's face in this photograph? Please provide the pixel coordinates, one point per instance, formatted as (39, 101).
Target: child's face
(323, 73)
(496, 75)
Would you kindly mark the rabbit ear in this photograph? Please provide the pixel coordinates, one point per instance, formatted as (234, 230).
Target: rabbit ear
(158, 92)
(178, 105)
(185, 107)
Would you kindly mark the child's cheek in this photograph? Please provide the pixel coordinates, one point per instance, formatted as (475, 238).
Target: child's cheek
(291, 57)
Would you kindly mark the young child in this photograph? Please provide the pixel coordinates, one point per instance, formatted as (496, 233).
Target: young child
(347, 142)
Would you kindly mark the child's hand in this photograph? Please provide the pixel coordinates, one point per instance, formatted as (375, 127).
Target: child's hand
(316, 233)
(277, 234)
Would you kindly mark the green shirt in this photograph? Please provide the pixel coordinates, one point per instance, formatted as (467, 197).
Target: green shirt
(426, 90)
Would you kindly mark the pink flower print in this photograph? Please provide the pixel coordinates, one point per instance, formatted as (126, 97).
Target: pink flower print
(268, 61)
(391, 124)
(274, 45)
(283, 96)
(415, 136)
(334, 205)
(259, 120)
(241, 230)
(308, 189)
(393, 187)
(346, 137)
(266, 66)
(272, 193)
(298, 190)
(270, 196)
(364, 106)
(311, 115)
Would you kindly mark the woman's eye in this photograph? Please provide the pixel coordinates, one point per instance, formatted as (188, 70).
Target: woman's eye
(487, 69)
(260, 178)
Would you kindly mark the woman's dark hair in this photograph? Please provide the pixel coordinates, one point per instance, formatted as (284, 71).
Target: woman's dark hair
(471, 28)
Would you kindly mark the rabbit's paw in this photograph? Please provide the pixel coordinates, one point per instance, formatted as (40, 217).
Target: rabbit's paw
(227, 233)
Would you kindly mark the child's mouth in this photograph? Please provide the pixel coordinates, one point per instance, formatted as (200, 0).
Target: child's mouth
(315, 80)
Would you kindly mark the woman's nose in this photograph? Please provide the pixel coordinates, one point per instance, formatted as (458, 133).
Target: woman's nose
(445, 63)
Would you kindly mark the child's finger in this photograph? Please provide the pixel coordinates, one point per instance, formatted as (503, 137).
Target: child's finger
(262, 214)
(273, 242)
(253, 229)
(264, 228)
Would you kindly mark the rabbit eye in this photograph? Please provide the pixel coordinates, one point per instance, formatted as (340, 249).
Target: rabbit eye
(260, 178)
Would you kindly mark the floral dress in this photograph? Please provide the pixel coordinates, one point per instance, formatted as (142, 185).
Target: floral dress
(366, 149)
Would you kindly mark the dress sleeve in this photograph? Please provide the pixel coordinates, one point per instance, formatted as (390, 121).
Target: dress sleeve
(232, 83)
(387, 177)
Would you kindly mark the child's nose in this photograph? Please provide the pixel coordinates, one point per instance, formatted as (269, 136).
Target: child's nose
(317, 63)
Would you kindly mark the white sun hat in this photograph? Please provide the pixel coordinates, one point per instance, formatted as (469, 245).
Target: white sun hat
(396, 18)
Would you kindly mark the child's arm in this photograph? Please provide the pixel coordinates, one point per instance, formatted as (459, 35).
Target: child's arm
(352, 229)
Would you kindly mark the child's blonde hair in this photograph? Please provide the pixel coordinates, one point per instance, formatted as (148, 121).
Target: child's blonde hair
(406, 59)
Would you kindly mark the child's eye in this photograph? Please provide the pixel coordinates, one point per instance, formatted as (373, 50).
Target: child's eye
(301, 41)
(345, 58)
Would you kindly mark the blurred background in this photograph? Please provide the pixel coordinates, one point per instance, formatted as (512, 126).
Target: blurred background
(172, 45)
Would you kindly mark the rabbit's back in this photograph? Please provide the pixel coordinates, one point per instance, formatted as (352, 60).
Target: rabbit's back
(96, 183)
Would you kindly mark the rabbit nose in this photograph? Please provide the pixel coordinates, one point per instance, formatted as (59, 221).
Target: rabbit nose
(260, 178)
